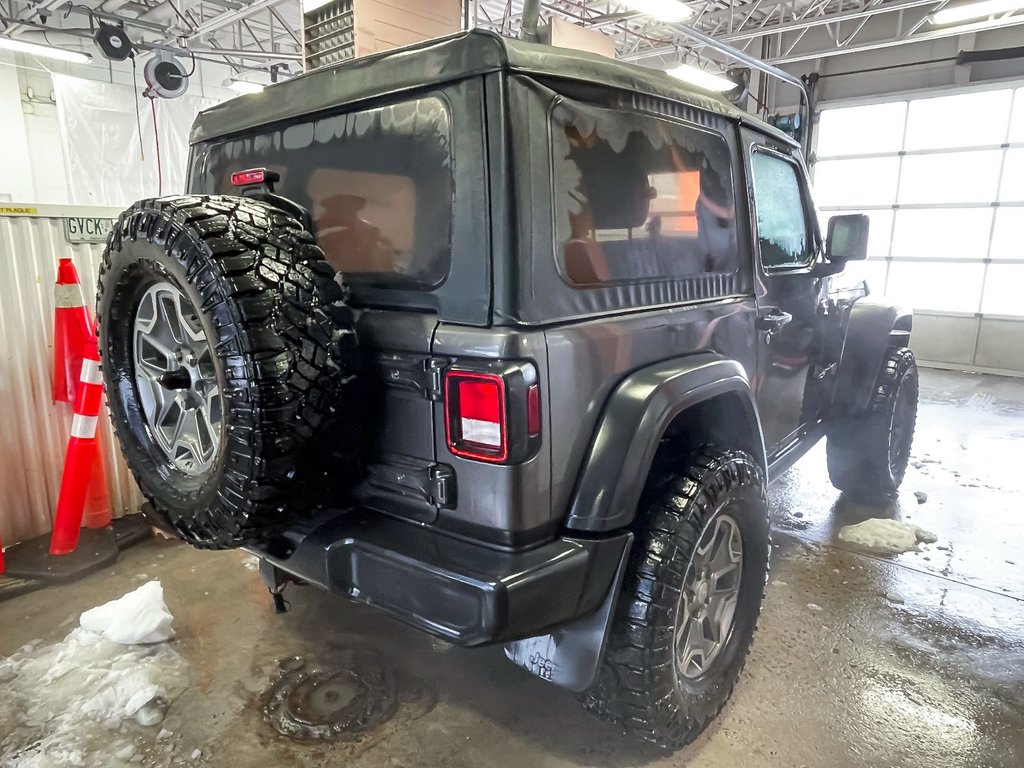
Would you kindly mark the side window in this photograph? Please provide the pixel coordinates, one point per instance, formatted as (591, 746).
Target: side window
(639, 198)
(782, 227)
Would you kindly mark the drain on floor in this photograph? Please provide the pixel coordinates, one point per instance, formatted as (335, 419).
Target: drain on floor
(358, 693)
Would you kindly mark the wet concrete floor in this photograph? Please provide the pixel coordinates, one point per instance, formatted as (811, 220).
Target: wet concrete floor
(914, 660)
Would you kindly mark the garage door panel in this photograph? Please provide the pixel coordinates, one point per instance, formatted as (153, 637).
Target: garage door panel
(861, 130)
(1012, 188)
(943, 338)
(959, 120)
(1017, 120)
(936, 286)
(1004, 292)
(999, 344)
(1008, 234)
(856, 182)
(950, 177)
(942, 233)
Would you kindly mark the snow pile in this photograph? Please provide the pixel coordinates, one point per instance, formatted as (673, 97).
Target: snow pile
(138, 617)
(886, 537)
(60, 702)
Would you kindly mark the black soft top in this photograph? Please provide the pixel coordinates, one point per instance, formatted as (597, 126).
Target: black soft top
(439, 61)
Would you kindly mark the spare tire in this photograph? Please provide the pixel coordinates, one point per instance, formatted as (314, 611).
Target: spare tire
(226, 350)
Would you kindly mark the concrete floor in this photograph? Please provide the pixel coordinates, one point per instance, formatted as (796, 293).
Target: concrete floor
(916, 659)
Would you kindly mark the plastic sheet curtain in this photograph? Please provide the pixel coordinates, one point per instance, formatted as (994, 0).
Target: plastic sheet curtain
(106, 163)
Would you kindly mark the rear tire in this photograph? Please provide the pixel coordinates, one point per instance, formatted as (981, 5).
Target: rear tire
(226, 350)
(868, 454)
(652, 681)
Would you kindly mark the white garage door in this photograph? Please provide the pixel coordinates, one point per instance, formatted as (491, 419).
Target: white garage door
(942, 179)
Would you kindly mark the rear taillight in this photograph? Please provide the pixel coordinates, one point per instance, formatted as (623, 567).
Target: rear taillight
(476, 416)
(492, 415)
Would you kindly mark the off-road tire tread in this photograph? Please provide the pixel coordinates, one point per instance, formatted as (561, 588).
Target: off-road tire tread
(631, 683)
(855, 446)
(283, 334)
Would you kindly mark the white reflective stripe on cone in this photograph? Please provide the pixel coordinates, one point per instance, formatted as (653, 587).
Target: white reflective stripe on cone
(69, 295)
(91, 372)
(83, 426)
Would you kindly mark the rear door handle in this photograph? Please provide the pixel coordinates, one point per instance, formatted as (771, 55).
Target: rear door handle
(772, 319)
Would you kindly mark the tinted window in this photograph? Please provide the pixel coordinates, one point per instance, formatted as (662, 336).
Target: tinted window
(782, 231)
(378, 182)
(640, 198)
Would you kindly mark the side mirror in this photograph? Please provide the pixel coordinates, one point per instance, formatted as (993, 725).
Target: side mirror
(847, 238)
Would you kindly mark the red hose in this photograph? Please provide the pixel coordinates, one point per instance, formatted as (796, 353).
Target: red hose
(156, 139)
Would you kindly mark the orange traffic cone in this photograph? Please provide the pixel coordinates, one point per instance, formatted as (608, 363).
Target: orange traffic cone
(97, 503)
(80, 457)
(71, 328)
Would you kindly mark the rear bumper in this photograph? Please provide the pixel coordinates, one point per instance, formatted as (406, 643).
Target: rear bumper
(464, 592)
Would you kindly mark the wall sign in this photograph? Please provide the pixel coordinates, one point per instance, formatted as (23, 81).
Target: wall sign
(17, 210)
(83, 229)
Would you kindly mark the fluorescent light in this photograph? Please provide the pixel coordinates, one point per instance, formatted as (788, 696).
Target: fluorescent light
(701, 78)
(244, 86)
(663, 10)
(312, 5)
(45, 51)
(976, 11)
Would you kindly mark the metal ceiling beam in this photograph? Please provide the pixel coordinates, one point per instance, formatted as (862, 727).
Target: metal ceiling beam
(46, 6)
(227, 19)
(248, 54)
(744, 58)
(934, 34)
(826, 18)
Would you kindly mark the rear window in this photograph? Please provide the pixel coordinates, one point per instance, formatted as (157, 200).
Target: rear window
(640, 198)
(379, 184)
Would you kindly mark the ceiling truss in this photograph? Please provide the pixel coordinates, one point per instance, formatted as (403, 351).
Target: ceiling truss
(777, 31)
(263, 34)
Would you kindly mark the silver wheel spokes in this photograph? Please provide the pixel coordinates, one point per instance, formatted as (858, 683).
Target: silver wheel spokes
(176, 379)
(707, 603)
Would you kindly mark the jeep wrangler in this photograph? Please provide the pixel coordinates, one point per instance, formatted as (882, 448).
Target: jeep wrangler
(506, 341)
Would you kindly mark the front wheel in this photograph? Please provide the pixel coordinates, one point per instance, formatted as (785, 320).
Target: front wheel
(868, 454)
(691, 599)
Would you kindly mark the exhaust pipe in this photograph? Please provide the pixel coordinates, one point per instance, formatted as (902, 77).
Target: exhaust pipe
(531, 16)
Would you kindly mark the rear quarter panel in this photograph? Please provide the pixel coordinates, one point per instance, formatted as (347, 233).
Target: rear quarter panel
(587, 360)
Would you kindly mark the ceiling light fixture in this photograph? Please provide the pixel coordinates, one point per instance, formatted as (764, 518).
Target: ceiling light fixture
(245, 86)
(662, 10)
(44, 51)
(308, 6)
(975, 11)
(701, 78)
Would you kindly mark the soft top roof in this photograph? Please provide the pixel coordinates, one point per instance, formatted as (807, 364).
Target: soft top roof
(438, 61)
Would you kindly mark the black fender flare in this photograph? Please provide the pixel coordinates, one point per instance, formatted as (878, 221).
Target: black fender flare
(631, 426)
(872, 328)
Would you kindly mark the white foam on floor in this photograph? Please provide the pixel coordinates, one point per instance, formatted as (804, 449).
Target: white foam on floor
(63, 704)
(888, 537)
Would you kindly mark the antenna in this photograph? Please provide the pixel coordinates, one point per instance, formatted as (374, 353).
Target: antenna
(531, 16)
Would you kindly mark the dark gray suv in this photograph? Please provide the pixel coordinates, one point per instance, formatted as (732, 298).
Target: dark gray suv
(507, 341)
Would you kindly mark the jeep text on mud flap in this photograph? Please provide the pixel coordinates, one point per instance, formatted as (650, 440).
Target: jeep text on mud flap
(506, 341)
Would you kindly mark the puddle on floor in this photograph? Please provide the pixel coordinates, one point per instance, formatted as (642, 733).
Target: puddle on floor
(355, 694)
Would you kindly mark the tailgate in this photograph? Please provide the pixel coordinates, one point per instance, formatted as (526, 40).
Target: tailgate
(402, 475)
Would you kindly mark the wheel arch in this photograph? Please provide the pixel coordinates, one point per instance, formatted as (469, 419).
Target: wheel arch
(694, 398)
(871, 330)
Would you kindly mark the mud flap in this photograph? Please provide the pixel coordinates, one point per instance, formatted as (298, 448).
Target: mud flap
(570, 657)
